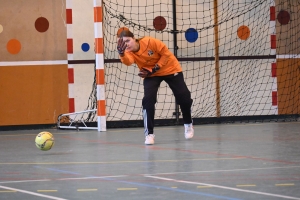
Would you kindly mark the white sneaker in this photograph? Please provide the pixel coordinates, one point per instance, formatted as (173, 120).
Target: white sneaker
(149, 139)
(189, 131)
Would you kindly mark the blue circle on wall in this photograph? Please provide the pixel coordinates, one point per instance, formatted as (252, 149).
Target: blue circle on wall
(191, 35)
(85, 47)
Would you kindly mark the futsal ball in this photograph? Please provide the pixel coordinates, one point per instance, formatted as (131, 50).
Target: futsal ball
(44, 141)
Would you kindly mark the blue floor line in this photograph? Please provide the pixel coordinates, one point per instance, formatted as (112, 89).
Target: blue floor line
(173, 189)
(146, 185)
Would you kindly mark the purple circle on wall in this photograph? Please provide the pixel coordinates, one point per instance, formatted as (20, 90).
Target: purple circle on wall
(159, 23)
(41, 24)
(283, 17)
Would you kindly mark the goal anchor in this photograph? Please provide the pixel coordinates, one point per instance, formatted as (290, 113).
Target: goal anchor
(73, 124)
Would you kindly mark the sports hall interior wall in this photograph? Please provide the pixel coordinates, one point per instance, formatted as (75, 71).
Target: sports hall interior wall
(33, 94)
(33, 88)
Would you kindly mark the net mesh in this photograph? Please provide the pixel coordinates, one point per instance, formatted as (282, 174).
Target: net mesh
(243, 77)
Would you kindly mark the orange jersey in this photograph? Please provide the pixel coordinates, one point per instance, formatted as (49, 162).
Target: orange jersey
(153, 51)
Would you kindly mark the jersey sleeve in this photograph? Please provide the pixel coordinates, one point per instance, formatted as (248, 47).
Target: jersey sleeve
(127, 59)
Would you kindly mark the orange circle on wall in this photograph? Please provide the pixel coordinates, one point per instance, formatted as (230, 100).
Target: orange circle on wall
(13, 46)
(121, 29)
(243, 32)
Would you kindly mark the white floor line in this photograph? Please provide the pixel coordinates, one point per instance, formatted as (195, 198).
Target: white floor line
(155, 174)
(31, 193)
(91, 177)
(63, 179)
(224, 170)
(26, 181)
(223, 187)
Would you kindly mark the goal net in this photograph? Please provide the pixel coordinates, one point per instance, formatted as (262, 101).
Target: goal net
(239, 58)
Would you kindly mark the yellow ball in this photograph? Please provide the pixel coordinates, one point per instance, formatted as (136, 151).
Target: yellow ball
(44, 141)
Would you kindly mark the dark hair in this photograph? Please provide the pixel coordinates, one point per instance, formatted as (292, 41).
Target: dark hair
(126, 33)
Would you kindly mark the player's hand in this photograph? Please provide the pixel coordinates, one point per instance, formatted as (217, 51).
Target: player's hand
(144, 73)
(121, 47)
(155, 68)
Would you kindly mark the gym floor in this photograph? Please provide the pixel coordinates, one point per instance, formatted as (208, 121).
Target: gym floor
(258, 161)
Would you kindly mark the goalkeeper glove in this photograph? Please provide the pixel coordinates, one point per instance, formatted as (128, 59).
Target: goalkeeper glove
(145, 72)
(121, 47)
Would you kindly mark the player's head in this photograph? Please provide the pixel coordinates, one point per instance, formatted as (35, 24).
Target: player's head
(126, 33)
(131, 42)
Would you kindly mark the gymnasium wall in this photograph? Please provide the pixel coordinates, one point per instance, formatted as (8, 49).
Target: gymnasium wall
(36, 77)
(33, 67)
(82, 33)
(288, 77)
(288, 56)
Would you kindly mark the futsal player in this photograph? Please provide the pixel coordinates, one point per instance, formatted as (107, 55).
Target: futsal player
(156, 64)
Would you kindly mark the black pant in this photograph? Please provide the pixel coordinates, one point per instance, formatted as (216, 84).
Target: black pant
(180, 91)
